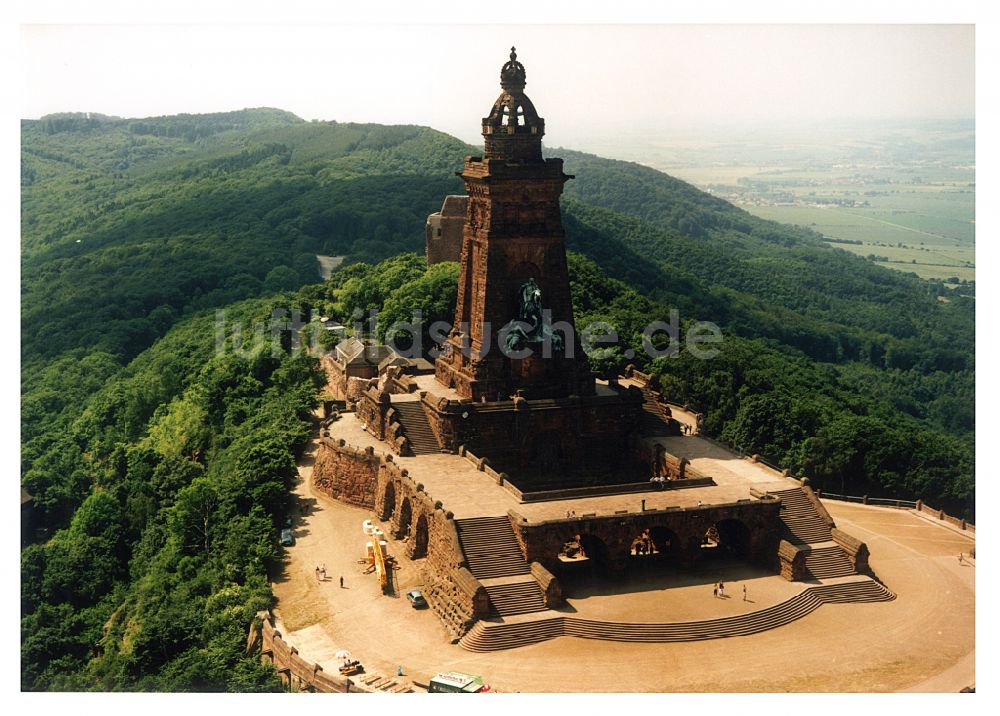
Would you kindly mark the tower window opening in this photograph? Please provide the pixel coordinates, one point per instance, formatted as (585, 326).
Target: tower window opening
(520, 117)
(505, 120)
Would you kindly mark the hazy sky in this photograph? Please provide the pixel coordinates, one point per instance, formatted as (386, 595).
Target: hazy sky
(586, 80)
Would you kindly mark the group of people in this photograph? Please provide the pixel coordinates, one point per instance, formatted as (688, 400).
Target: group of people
(321, 574)
(719, 591)
(659, 481)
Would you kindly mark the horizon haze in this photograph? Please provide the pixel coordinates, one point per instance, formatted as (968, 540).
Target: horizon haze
(595, 82)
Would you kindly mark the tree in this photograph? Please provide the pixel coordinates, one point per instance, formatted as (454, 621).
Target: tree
(281, 278)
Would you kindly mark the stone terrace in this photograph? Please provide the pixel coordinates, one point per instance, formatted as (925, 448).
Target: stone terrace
(467, 492)
(925, 641)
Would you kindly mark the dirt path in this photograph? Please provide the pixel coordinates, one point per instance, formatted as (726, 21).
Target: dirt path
(327, 264)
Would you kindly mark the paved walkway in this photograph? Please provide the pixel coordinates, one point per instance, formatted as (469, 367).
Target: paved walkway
(922, 640)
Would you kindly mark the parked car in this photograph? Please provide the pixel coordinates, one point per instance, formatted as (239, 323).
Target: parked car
(416, 599)
(287, 540)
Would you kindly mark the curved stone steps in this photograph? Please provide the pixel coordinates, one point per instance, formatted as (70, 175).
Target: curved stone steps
(487, 636)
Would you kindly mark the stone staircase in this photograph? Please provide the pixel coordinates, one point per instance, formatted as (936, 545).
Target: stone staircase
(802, 523)
(508, 599)
(416, 427)
(804, 526)
(494, 558)
(531, 629)
(654, 419)
(828, 562)
(490, 547)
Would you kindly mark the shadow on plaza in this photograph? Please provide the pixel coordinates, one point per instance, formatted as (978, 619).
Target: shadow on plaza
(654, 577)
(696, 446)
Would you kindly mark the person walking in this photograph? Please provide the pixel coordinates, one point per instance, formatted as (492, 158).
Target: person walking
(722, 590)
(317, 572)
(715, 591)
(341, 581)
(744, 592)
(322, 570)
(961, 557)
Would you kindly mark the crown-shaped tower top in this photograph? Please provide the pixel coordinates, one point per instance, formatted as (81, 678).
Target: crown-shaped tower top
(512, 75)
(513, 130)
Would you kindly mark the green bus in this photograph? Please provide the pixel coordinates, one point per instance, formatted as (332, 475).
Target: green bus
(455, 682)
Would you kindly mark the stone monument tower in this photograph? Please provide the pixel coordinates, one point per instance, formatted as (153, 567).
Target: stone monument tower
(513, 265)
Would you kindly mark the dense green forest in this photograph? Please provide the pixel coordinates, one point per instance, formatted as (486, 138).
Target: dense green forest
(159, 468)
(173, 480)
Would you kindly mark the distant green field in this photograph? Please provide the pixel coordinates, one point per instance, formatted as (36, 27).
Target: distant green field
(936, 256)
(922, 219)
(702, 176)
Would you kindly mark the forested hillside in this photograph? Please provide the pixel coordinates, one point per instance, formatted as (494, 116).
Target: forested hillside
(173, 480)
(133, 429)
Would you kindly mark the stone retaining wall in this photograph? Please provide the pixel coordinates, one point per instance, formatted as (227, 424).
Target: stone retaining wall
(857, 551)
(551, 589)
(294, 671)
(792, 560)
(599, 490)
(567, 436)
(346, 473)
(427, 530)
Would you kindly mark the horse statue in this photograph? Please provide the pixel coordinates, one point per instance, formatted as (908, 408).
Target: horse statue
(530, 313)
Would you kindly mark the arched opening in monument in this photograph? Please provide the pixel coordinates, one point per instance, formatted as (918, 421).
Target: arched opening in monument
(728, 537)
(420, 535)
(388, 501)
(666, 543)
(505, 116)
(585, 554)
(405, 517)
(642, 546)
(654, 547)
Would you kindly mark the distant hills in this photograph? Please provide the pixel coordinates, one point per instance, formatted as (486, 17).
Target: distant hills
(128, 225)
